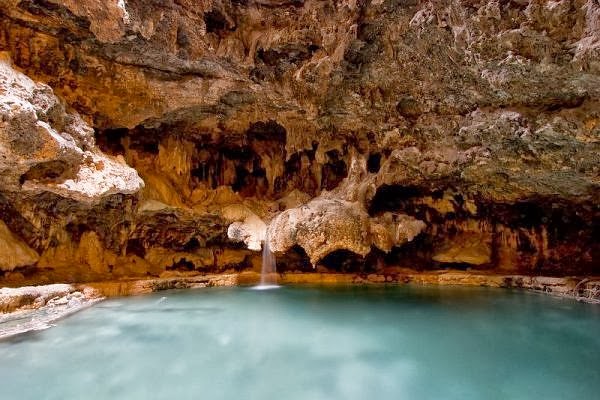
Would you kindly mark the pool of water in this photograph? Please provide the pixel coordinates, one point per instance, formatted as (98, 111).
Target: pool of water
(313, 343)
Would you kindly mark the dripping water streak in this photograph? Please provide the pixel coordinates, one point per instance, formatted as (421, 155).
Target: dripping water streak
(268, 278)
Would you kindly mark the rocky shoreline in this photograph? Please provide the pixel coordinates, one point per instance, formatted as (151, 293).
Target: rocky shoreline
(585, 289)
(33, 308)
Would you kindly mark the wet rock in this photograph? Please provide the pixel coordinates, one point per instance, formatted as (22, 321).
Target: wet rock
(60, 301)
(321, 227)
(32, 308)
(12, 299)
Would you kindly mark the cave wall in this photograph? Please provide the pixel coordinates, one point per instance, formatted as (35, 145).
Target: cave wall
(150, 137)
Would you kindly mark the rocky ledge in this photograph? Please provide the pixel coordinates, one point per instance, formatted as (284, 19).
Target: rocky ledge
(577, 288)
(144, 138)
(32, 308)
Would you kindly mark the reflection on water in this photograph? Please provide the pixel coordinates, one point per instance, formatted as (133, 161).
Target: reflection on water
(313, 343)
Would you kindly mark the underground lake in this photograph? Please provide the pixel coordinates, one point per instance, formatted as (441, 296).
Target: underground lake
(313, 342)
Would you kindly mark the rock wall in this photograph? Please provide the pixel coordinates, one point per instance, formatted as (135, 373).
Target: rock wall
(143, 137)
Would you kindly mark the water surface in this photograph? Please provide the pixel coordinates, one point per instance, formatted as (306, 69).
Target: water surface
(313, 343)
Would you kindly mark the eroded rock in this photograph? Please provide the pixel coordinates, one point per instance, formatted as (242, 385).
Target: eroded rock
(13, 251)
(338, 220)
(478, 122)
(32, 308)
(44, 148)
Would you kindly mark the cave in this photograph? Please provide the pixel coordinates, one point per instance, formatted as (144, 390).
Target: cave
(374, 162)
(267, 131)
(334, 171)
(344, 261)
(343, 200)
(109, 140)
(181, 265)
(215, 21)
(293, 260)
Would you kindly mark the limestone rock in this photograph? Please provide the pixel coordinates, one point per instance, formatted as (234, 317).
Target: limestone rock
(14, 298)
(100, 175)
(251, 231)
(321, 227)
(29, 146)
(465, 248)
(390, 229)
(44, 148)
(338, 220)
(32, 308)
(362, 123)
(13, 251)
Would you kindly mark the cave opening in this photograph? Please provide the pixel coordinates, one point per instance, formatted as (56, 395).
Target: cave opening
(374, 163)
(267, 131)
(76, 230)
(394, 198)
(201, 172)
(299, 173)
(334, 171)
(250, 183)
(192, 245)
(345, 261)
(181, 265)
(136, 247)
(215, 21)
(456, 266)
(295, 259)
(415, 254)
(110, 140)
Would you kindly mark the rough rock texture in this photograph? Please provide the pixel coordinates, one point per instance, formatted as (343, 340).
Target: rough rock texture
(586, 290)
(338, 220)
(31, 296)
(15, 253)
(44, 148)
(33, 308)
(472, 128)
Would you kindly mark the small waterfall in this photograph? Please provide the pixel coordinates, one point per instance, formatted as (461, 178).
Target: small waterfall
(268, 279)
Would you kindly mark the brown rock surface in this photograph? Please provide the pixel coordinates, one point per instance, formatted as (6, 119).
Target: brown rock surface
(372, 133)
(338, 220)
(13, 251)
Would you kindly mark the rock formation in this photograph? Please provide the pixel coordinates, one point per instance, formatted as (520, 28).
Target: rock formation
(140, 137)
(338, 220)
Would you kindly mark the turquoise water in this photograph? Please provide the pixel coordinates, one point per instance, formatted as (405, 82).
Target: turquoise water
(313, 343)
